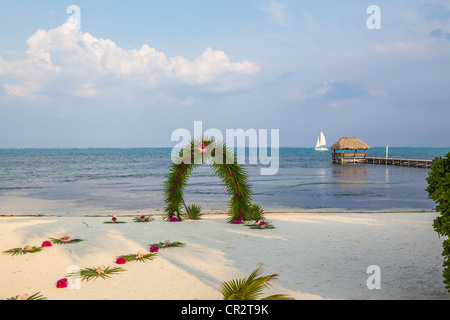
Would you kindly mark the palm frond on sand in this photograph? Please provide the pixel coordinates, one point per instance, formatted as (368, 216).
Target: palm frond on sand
(167, 244)
(94, 273)
(22, 251)
(137, 257)
(59, 241)
(250, 288)
(36, 296)
(144, 219)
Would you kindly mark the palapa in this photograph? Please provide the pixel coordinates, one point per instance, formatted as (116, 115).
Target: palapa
(349, 143)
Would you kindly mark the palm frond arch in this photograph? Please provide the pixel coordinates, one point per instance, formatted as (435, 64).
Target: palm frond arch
(224, 164)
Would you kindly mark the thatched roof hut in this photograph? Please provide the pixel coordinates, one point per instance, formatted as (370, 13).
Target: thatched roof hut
(349, 143)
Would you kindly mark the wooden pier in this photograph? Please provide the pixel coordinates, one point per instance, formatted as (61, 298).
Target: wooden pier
(400, 162)
(353, 150)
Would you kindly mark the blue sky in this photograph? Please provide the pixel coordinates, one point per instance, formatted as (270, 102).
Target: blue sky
(137, 71)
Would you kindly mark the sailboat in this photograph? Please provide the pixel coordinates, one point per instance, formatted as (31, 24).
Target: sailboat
(321, 144)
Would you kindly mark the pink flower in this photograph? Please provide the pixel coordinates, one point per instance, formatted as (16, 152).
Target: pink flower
(114, 219)
(142, 217)
(262, 223)
(121, 260)
(62, 283)
(238, 221)
(46, 244)
(154, 249)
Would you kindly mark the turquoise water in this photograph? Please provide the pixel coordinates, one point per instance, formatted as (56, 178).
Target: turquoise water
(132, 179)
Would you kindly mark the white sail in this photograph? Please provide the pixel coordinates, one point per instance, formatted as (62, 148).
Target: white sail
(321, 144)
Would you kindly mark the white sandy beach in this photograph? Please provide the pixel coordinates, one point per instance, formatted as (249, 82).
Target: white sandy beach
(317, 256)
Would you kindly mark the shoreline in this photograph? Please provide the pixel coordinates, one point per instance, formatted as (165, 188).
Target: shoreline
(317, 256)
(291, 212)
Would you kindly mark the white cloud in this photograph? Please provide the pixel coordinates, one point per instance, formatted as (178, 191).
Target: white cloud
(86, 64)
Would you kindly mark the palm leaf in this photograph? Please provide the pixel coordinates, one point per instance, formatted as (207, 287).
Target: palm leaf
(58, 241)
(134, 258)
(193, 212)
(22, 251)
(113, 222)
(249, 288)
(91, 273)
(268, 225)
(163, 245)
(37, 296)
(146, 219)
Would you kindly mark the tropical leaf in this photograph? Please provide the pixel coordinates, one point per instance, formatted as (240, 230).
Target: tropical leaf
(93, 273)
(22, 251)
(36, 296)
(58, 241)
(249, 288)
(134, 257)
(113, 222)
(146, 219)
(167, 244)
(193, 212)
(258, 225)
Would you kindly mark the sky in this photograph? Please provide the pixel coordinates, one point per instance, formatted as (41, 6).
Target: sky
(136, 71)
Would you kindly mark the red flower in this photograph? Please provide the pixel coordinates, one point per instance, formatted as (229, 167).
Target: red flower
(114, 219)
(154, 249)
(46, 244)
(121, 260)
(62, 283)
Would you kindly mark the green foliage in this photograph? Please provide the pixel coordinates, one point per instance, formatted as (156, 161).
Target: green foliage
(135, 257)
(142, 219)
(439, 191)
(22, 251)
(93, 273)
(36, 296)
(167, 244)
(223, 163)
(113, 222)
(249, 288)
(194, 212)
(257, 212)
(58, 241)
(261, 225)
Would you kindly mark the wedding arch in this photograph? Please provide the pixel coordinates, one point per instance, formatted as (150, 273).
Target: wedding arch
(224, 164)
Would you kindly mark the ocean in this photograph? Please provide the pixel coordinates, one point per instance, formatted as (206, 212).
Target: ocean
(108, 181)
